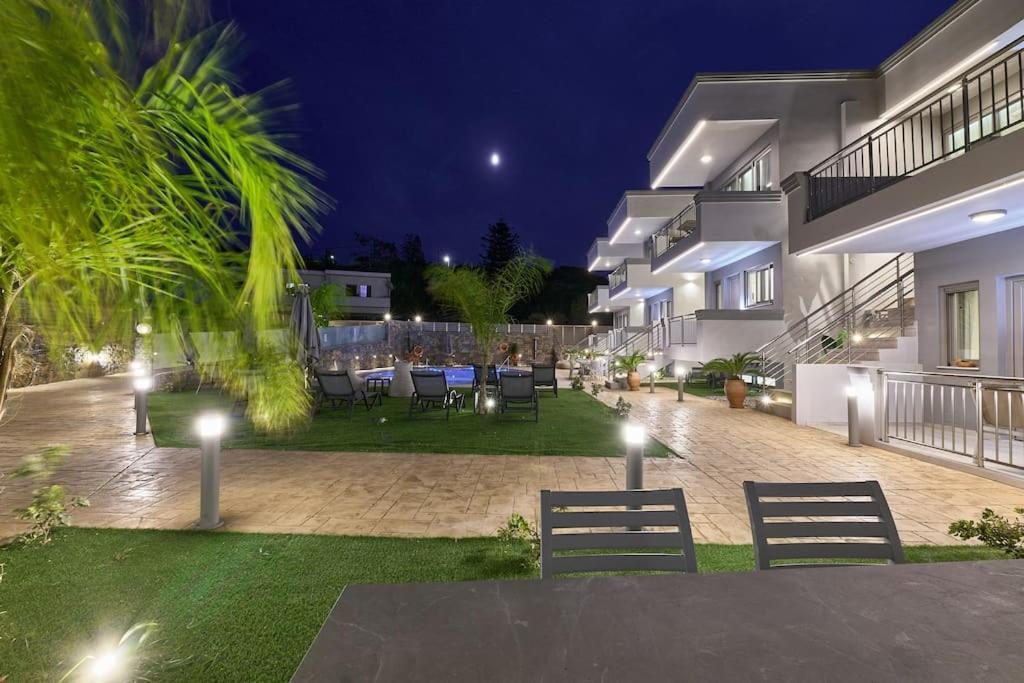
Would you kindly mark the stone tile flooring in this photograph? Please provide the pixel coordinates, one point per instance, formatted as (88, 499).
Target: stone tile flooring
(133, 484)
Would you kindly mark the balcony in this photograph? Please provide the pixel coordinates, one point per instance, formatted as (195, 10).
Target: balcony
(597, 301)
(707, 334)
(912, 182)
(640, 212)
(633, 280)
(603, 255)
(717, 229)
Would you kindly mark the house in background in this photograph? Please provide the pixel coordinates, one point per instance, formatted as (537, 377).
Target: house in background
(834, 219)
(367, 295)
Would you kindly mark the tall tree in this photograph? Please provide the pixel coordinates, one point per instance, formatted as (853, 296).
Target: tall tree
(374, 254)
(484, 300)
(412, 250)
(501, 245)
(138, 183)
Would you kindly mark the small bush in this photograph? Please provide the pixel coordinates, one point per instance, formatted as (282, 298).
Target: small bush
(518, 530)
(995, 531)
(622, 408)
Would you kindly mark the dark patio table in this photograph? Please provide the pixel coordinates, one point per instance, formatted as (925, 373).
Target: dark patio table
(959, 621)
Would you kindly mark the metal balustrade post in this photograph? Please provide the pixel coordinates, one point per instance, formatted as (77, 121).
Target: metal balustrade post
(849, 338)
(899, 297)
(884, 431)
(967, 113)
(871, 166)
(979, 448)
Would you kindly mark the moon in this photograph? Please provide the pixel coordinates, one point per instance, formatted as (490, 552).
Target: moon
(495, 159)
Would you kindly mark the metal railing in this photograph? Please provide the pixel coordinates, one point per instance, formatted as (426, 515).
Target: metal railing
(848, 328)
(975, 416)
(617, 277)
(677, 228)
(682, 330)
(990, 98)
(567, 335)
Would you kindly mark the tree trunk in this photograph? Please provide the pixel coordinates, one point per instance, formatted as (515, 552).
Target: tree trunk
(8, 338)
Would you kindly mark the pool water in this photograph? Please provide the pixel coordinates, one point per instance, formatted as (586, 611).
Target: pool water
(457, 375)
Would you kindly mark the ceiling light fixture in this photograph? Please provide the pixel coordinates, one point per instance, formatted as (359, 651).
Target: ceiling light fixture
(706, 159)
(987, 216)
(637, 231)
(705, 261)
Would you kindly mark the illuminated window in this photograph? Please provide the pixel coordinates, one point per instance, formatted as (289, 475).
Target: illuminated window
(753, 177)
(760, 286)
(963, 326)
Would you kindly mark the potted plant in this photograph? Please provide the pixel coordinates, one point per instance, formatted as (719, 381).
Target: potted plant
(630, 364)
(733, 368)
(513, 353)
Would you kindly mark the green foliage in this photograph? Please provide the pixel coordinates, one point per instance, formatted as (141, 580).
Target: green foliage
(49, 507)
(621, 409)
(577, 383)
(325, 301)
(734, 366)
(595, 388)
(139, 189)
(630, 362)
(501, 246)
(995, 531)
(274, 386)
(517, 530)
(484, 299)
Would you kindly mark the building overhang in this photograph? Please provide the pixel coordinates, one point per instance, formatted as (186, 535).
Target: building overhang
(604, 256)
(642, 212)
(702, 151)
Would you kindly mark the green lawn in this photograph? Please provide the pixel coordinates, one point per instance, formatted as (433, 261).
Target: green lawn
(237, 606)
(572, 424)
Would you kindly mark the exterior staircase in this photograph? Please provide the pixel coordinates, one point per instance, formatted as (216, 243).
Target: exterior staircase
(858, 326)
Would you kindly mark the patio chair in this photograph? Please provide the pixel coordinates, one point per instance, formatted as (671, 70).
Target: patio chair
(517, 392)
(431, 391)
(544, 376)
(478, 376)
(337, 387)
(662, 550)
(771, 521)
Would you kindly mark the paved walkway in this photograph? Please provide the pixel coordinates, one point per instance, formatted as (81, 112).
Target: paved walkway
(133, 484)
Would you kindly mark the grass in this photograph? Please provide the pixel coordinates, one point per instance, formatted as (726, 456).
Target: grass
(572, 424)
(237, 606)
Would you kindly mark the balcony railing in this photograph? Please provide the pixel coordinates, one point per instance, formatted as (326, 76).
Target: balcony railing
(682, 330)
(677, 228)
(617, 277)
(990, 98)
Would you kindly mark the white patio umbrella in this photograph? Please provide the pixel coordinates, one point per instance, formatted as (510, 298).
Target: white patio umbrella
(303, 326)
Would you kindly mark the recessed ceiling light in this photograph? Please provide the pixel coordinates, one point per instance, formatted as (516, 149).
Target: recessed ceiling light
(706, 159)
(988, 216)
(607, 263)
(705, 261)
(637, 231)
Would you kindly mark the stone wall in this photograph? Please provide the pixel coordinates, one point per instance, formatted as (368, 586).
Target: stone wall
(37, 363)
(438, 348)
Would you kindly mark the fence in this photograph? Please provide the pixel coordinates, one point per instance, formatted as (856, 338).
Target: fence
(565, 335)
(975, 416)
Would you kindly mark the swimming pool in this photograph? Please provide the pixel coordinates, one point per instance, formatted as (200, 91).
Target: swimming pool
(457, 375)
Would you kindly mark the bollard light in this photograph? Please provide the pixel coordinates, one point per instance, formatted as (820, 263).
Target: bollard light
(142, 385)
(211, 427)
(680, 382)
(138, 368)
(593, 323)
(489, 403)
(852, 417)
(651, 369)
(634, 435)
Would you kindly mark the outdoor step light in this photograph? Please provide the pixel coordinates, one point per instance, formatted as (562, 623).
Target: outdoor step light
(680, 382)
(852, 416)
(635, 436)
(211, 427)
(142, 385)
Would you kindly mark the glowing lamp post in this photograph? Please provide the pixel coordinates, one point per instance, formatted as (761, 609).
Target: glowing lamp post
(634, 435)
(651, 368)
(852, 417)
(210, 427)
(680, 382)
(142, 385)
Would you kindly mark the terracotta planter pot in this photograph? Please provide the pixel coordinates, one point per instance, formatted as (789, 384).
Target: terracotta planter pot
(736, 392)
(633, 381)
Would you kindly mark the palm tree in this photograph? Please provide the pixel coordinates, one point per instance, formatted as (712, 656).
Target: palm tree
(484, 300)
(734, 368)
(138, 183)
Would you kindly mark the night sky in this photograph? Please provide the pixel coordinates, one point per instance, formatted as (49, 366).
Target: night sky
(403, 103)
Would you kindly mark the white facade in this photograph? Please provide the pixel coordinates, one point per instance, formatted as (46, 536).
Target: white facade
(795, 192)
(366, 295)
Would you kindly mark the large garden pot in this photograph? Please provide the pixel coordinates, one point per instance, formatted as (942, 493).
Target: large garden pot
(633, 381)
(736, 392)
(401, 383)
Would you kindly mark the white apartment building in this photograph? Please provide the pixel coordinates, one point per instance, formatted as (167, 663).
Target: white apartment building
(367, 295)
(840, 218)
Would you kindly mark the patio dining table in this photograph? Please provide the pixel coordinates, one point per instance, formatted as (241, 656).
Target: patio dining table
(959, 621)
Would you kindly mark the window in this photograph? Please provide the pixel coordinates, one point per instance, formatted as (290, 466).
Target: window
(753, 177)
(760, 286)
(622, 319)
(364, 291)
(963, 326)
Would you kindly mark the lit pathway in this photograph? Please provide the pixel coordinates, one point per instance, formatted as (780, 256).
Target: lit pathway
(132, 484)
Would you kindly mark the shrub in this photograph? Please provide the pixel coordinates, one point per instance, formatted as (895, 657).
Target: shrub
(995, 531)
(622, 408)
(49, 507)
(518, 530)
